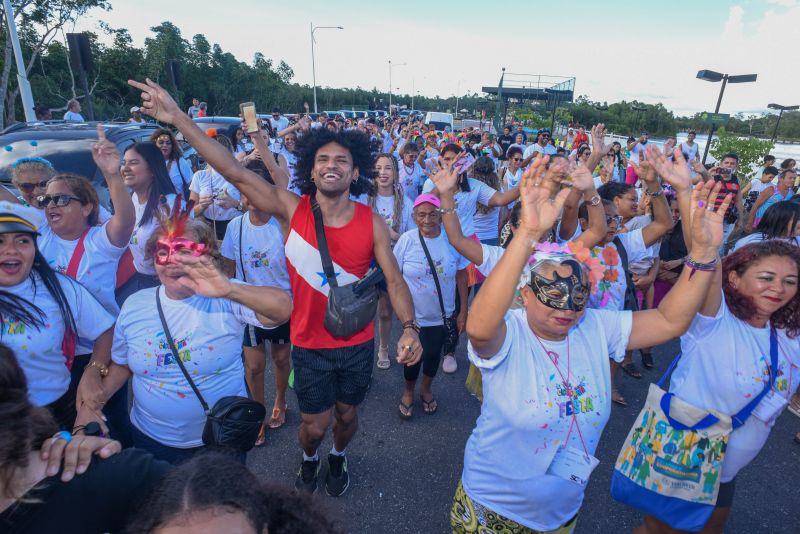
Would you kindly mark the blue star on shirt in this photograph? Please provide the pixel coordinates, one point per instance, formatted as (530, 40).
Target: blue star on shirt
(325, 278)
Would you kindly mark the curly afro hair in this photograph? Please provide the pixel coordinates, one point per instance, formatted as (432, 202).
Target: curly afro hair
(788, 317)
(356, 142)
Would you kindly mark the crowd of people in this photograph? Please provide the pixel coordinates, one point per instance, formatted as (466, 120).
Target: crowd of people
(306, 236)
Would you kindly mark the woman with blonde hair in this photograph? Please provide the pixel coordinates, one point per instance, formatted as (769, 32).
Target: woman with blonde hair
(30, 175)
(390, 202)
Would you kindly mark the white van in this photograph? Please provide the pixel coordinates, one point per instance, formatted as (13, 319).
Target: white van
(440, 120)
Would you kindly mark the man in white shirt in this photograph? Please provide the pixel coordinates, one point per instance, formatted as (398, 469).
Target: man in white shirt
(278, 121)
(194, 109)
(541, 146)
(690, 149)
(73, 113)
(636, 147)
(136, 116)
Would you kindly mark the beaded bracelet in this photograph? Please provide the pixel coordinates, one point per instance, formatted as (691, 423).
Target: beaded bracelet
(698, 266)
(412, 325)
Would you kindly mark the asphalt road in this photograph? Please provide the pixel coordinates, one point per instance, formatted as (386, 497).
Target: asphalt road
(404, 473)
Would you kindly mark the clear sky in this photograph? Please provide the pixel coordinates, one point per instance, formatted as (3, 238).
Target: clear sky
(617, 50)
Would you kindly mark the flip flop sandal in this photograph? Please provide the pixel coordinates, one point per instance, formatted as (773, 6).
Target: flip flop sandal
(409, 410)
(631, 370)
(647, 359)
(617, 398)
(278, 418)
(383, 358)
(262, 437)
(429, 407)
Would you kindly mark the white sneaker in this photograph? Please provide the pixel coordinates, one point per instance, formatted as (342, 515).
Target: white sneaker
(449, 365)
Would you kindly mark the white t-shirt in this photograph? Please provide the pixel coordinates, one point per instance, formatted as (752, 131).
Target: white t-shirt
(487, 225)
(410, 179)
(689, 152)
(141, 233)
(757, 237)
(610, 294)
(264, 257)
(73, 117)
(526, 415)
(547, 150)
(491, 257)
(512, 179)
(180, 173)
(208, 336)
(39, 351)
(281, 124)
(724, 364)
(417, 274)
(384, 206)
(210, 182)
(97, 270)
(291, 161)
(466, 202)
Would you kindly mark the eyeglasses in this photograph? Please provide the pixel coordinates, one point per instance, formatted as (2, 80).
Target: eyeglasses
(516, 159)
(615, 219)
(59, 200)
(165, 141)
(545, 136)
(28, 187)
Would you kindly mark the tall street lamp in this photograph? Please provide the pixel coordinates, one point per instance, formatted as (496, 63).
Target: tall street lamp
(780, 114)
(313, 67)
(390, 82)
(711, 76)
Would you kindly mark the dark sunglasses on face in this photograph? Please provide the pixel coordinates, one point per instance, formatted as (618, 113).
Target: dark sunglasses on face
(544, 136)
(164, 142)
(28, 187)
(615, 219)
(59, 200)
(516, 159)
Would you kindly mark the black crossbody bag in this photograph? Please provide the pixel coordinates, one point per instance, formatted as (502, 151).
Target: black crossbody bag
(350, 307)
(450, 328)
(234, 421)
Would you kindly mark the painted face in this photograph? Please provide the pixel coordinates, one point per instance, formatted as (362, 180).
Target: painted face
(168, 248)
(561, 292)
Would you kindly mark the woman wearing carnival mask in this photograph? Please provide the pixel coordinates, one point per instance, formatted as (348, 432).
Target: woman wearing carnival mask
(545, 367)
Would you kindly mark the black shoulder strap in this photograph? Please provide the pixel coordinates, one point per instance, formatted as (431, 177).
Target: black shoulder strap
(322, 243)
(623, 254)
(175, 354)
(435, 277)
(241, 258)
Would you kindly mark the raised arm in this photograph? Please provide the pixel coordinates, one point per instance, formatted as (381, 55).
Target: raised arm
(662, 218)
(677, 174)
(583, 183)
(157, 103)
(485, 325)
(445, 180)
(599, 147)
(279, 175)
(500, 199)
(694, 287)
(106, 155)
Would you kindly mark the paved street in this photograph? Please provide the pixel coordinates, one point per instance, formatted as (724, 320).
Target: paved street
(404, 473)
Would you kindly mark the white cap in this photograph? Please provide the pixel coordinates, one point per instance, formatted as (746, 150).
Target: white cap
(134, 109)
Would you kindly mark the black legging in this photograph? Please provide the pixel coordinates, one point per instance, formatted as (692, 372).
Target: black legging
(452, 349)
(432, 340)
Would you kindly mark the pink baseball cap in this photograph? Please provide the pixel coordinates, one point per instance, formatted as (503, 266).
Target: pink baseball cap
(430, 199)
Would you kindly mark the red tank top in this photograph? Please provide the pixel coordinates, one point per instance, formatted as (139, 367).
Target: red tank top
(351, 250)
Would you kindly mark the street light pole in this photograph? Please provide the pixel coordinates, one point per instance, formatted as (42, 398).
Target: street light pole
(780, 114)
(313, 66)
(22, 77)
(711, 76)
(390, 83)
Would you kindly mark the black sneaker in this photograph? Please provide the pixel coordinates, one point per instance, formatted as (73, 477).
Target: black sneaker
(337, 479)
(307, 476)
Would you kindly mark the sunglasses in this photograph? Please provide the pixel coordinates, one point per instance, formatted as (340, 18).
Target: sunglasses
(615, 219)
(545, 136)
(28, 187)
(516, 159)
(164, 142)
(59, 200)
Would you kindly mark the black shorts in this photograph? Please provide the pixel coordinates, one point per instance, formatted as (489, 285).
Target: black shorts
(323, 377)
(725, 494)
(255, 336)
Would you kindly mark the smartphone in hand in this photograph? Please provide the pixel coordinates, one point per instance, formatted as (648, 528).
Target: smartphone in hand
(249, 116)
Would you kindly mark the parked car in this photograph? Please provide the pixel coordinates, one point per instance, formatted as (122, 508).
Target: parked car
(223, 125)
(440, 121)
(333, 114)
(68, 146)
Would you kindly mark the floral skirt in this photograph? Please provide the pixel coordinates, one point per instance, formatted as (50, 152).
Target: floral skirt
(470, 517)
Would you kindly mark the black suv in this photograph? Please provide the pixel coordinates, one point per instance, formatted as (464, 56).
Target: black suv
(67, 145)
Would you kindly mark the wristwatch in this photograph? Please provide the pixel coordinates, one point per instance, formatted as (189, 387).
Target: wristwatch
(101, 368)
(595, 200)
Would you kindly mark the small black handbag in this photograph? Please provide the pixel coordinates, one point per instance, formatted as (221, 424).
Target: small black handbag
(233, 421)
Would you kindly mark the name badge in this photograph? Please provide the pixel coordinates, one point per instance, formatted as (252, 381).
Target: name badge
(572, 464)
(770, 406)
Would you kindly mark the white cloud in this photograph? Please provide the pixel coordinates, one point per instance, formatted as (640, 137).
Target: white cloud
(784, 3)
(734, 26)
